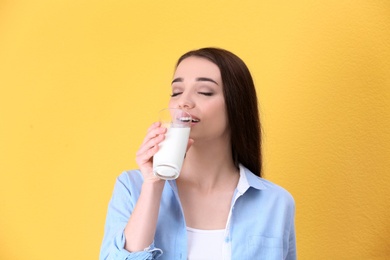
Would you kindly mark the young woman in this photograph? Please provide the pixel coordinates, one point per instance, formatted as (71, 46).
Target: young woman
(219, 207)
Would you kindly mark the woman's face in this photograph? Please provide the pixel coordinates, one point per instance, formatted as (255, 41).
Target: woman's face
(197, 88)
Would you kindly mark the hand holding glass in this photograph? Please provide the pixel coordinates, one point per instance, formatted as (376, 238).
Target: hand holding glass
(168, 160)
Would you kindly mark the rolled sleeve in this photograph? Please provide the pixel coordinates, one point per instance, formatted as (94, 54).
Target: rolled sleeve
(116, 251)
(149, 253)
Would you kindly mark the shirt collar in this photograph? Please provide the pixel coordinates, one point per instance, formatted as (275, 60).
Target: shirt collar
(247, 180)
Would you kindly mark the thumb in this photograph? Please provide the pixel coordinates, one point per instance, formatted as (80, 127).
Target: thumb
(190, 142)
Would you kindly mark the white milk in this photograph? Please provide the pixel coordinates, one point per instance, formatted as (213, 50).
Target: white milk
(169, 158)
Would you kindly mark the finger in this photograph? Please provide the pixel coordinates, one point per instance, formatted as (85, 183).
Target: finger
(146, 156)
(150, 146)
(190, 143)
(153, 132)
(154, 125)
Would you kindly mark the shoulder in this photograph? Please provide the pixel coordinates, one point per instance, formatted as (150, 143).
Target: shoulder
(131, 176)
(277, 191)
(268, 190)
(130, 181)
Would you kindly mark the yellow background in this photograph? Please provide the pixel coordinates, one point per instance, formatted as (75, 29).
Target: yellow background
(81, 80)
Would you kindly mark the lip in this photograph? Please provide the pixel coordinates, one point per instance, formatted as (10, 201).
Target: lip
(197, 120)
(194, 120)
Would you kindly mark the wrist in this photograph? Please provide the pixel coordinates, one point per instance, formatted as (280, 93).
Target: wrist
(153, 181)
(153, 189)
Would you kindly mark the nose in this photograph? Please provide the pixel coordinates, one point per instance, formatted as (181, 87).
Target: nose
(185, 101)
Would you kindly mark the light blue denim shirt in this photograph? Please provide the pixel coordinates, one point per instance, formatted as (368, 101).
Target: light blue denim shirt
(260, 223)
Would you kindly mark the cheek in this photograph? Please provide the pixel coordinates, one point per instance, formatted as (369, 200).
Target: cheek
(221, 116)
(171, 103)
(225, 120)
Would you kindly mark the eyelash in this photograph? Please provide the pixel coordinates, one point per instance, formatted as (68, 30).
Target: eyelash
(203, 93)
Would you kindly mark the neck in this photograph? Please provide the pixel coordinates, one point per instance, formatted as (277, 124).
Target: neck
(208, 166)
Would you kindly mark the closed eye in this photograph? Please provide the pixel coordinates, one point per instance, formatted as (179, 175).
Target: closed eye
(206, 93)
(175, 94)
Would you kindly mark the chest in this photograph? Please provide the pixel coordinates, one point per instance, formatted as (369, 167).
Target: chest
(206, 211)
(258, 228)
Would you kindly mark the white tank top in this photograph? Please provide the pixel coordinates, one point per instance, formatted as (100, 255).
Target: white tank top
(205, 244)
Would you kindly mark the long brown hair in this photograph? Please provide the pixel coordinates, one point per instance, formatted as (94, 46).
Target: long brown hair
(241, 105)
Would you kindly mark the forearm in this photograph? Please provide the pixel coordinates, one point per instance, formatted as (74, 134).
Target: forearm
(141, 227)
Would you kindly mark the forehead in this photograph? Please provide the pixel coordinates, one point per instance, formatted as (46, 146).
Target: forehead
(193, 67)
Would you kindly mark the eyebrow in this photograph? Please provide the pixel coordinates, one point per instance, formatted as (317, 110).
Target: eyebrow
(197, 79)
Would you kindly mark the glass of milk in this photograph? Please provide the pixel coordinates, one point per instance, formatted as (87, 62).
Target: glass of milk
(168, 160)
